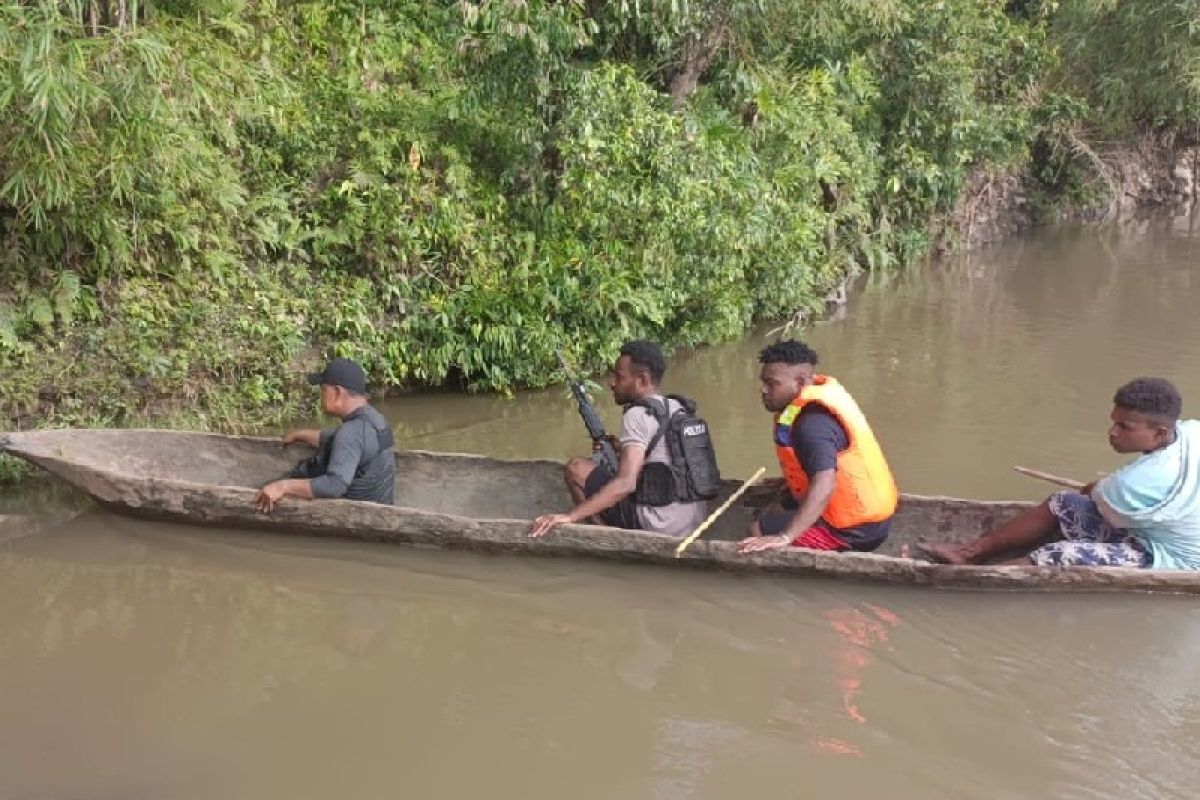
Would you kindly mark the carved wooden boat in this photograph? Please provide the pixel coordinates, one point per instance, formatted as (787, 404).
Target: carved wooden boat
(480, 503)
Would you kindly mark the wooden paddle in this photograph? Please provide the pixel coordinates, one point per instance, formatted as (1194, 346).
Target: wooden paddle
(1049, 478)
(720, 510)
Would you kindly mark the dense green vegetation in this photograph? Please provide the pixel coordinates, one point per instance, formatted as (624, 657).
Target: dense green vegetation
(199, 199)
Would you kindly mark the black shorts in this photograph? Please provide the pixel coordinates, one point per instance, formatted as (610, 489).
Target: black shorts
(624, 513)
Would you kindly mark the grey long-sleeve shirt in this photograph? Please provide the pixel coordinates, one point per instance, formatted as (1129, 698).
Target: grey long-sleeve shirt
(354, 461)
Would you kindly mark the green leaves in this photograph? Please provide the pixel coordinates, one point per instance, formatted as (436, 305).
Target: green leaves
(65, 296)
(39, 312)
(1136, 64)
(450, 191)
(8, 329)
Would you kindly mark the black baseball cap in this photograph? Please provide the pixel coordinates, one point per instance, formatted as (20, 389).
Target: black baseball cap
(341, 372)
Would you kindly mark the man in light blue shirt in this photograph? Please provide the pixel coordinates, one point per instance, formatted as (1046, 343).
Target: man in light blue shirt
(1146, 514)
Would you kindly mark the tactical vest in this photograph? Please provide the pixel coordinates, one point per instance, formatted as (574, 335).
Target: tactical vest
(692, 474)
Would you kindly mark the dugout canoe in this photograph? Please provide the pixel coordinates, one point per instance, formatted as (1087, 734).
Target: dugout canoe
(481, 503)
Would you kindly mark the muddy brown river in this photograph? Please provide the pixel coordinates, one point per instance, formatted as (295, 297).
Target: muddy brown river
(147, 660)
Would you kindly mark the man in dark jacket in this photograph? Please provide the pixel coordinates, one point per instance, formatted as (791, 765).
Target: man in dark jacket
(354, 461)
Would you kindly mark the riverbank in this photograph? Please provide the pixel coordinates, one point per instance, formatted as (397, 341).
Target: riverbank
(1150, 174)
(197, 210)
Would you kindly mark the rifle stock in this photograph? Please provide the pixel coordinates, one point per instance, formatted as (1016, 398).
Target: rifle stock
(591, 420)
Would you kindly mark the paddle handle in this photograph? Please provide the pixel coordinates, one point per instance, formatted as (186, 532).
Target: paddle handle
(1049, 478)
(720, 510)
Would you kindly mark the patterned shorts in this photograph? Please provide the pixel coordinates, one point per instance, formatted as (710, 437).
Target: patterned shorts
(1088, 540)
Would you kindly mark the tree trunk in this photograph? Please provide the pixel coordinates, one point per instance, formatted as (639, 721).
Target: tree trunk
(694, 61)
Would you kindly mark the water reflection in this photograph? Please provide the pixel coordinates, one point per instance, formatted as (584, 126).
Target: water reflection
(309, 668)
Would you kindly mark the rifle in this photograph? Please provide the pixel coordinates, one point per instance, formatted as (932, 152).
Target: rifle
(591, 420)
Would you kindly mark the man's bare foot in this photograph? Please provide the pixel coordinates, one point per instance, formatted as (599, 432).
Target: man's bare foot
(946, 553)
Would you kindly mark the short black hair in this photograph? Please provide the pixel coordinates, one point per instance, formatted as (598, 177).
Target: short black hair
(1154, 397)
(788, 351)
(646, 356)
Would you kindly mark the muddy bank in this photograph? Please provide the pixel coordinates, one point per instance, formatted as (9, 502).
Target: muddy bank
(1157, 172)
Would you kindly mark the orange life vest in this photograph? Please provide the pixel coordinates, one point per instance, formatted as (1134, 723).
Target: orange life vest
(865, 491)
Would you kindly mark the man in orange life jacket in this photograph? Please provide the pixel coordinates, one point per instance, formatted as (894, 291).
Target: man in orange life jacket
(841, 494)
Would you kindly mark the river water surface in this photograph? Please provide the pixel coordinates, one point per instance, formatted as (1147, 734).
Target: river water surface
(147, 660)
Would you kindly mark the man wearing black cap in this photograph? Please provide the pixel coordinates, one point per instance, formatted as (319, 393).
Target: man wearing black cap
(354, 461)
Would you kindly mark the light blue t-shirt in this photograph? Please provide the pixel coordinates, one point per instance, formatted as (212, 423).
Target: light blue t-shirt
(1156, 497)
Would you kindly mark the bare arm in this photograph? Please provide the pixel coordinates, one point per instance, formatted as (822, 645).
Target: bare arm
(270, 494)
(632, 456)
(816, 500)
(309, 436)
(631, 460)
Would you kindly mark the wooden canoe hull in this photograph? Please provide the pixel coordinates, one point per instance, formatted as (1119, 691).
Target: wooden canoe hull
(480, 503)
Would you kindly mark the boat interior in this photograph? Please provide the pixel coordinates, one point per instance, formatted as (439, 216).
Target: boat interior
(463, 485)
